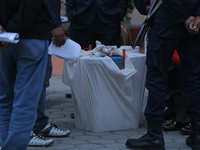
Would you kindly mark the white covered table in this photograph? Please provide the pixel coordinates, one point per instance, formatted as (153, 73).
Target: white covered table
(106, 98)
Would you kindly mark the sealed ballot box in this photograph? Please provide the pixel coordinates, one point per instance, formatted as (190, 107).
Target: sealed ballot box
(105, 96)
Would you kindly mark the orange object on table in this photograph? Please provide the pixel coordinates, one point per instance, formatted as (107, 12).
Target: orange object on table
(124, 54)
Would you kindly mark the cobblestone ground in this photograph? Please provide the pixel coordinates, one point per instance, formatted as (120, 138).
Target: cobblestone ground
(59, 109)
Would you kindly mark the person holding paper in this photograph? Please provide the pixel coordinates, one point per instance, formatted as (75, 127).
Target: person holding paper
(42, 126)
(93, 20)
(169, 31)
(22, 69)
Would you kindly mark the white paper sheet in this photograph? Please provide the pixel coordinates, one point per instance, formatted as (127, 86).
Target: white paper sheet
(9, 37)
(69, 51)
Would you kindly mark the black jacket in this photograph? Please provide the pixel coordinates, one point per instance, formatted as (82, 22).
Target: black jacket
(85, 11)
(28, 18)
(172, 12)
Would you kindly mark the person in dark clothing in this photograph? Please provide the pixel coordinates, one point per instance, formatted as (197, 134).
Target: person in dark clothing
(22, 69)
(42, 126)
(169, 31)
(176, 100)
(93, 20)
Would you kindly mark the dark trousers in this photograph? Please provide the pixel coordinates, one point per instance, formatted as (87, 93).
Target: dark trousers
(107, 34)
(163, 40)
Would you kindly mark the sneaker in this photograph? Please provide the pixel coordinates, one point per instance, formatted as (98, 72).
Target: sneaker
(51, 130)
(39, 141)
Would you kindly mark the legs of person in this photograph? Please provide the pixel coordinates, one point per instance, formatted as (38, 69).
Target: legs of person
(159, 53)
(42, 118)
(175, 90)
(29, 61)
(162, 43)
(170, 112)
(191, 68)
(7, 80)
(173, 86)
(180, 106)
(83, 34)
(42, 126)
(181, 119)
(108, 34)
(37, 139)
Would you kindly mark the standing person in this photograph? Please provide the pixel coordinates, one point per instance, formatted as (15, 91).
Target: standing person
(42, 127)
(169, 31)
(93, 20)
(22, 69)
(175, 98)
(176, 101)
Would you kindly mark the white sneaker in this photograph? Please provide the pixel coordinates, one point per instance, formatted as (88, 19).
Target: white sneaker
(39, 141)
(51, 130)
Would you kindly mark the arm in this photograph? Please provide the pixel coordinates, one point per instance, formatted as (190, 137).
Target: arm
(56, 30)
(55, 22)
(22, 20)
(123, 5)
(195, 24)
(70, 5)
(147, 22)
(141, 6)
(191, 24)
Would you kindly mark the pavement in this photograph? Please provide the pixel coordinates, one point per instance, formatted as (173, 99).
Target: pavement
(59, 109)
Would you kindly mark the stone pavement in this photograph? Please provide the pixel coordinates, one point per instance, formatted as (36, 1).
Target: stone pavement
(59, 109)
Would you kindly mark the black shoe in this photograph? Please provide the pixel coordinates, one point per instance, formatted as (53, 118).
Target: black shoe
(145, 143)
(175, 125)
(152, 140)
(194, 139)
(185, 130)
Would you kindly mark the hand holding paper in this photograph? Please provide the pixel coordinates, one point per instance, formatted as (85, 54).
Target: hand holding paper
(69, 51)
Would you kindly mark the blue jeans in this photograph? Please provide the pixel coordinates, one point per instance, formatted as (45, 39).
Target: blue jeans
(42, 119)
(22, 73)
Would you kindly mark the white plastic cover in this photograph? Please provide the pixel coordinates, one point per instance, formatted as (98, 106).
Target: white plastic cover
(106, 98)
